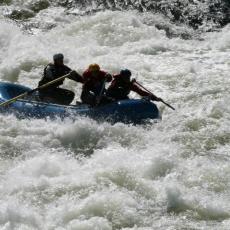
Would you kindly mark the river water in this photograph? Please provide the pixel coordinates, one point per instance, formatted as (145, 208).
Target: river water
(83, 175)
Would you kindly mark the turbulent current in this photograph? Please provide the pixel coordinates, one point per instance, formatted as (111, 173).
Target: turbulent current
(84, 175)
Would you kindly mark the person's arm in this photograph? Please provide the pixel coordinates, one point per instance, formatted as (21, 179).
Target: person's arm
(143, 93)
(139, 91)
(155, 98)
(75, 76)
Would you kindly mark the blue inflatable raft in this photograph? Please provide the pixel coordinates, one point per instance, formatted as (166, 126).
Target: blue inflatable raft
(134, 111)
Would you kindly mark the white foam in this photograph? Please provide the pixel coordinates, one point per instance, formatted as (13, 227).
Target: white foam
(88, 175)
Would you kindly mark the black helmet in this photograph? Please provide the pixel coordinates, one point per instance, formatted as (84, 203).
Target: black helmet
(125, 73)
(58, 57)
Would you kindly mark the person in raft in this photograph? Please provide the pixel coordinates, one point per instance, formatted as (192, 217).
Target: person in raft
(52, 71)
(93, 91)
(122, 84)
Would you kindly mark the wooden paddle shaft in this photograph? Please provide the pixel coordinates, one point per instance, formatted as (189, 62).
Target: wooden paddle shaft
(33, 90)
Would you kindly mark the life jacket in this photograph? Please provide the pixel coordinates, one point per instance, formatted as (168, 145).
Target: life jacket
(93, 83)
(119, 89)
(56, 72)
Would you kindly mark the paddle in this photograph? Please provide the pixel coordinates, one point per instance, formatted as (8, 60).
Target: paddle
(33, 90)
(153, 94)
(100, 94)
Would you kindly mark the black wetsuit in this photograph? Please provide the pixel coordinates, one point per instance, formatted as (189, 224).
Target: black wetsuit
(53, 93)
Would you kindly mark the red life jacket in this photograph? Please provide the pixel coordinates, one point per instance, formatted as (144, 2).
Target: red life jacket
(94, 83)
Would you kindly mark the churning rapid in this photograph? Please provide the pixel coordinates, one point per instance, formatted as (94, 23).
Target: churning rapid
(84, 175)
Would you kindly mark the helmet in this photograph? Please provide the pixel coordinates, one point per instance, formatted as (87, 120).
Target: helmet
(125, 73)
(94, 67)
(58, 57)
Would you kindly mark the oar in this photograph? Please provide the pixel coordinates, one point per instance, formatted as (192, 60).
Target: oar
(33, 90)
(101, 92)
(153, 94)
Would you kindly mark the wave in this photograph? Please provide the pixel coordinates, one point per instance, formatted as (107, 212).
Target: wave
(205, 15)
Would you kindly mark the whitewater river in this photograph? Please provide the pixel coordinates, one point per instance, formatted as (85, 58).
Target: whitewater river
(83, 175)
